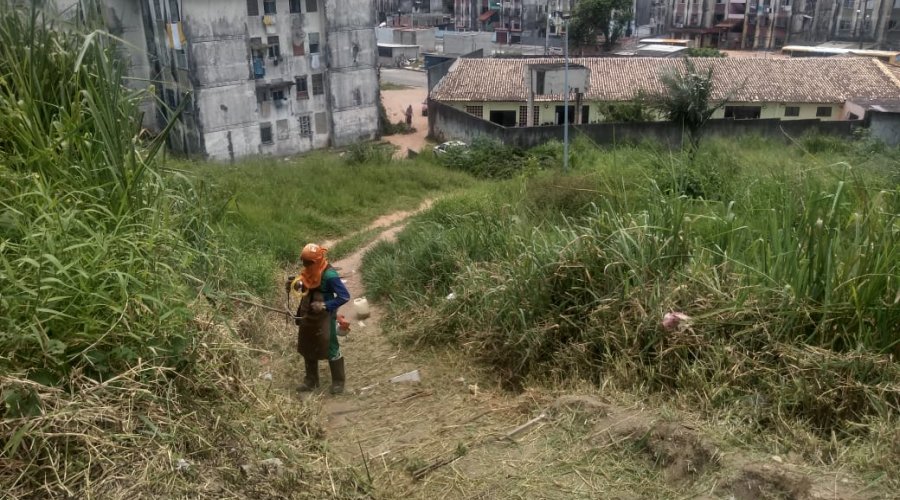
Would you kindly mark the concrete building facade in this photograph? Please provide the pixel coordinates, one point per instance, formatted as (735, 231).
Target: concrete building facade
(254, 76)
(529, 92)
(770, 24)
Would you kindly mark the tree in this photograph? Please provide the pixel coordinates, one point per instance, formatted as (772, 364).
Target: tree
(687, 100)
(593, 18)
(705, 52)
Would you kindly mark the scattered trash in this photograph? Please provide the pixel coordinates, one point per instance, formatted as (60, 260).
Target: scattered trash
(361, 306)
(343, 326)
(777, 459)
(675, 320)
(361, 324)
(267, 376)
(473, 389)
(272, 465)
(451, 296)
(366, 388)
(461, 380)
(412, 376)
(524, 427)
(182, 465)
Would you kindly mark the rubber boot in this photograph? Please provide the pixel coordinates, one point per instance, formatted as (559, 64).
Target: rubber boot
(337, 375)
(311, 379)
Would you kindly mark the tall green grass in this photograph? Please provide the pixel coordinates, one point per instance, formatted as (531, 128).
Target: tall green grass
(774, 252)
(95, 236)
(275, 206)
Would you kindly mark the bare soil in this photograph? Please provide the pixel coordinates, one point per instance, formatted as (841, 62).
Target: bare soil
(458, 434)
(395, 103)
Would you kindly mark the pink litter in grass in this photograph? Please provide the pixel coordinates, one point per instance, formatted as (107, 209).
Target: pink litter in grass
(672, 320)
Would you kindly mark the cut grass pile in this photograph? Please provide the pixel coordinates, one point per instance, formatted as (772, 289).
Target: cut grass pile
(787, 262)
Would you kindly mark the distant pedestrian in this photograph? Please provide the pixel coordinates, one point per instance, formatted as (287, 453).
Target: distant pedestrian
(409, 113)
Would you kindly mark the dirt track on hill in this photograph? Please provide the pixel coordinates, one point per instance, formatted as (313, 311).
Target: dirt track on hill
(457, 434)
(395, 103)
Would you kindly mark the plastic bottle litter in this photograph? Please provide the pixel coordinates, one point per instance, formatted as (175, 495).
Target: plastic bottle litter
(412, 376)
(451, 296)
(361, 306)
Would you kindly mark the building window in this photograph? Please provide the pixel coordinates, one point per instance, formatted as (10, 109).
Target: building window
(313, 43)
(849, 4)
(743, 112)
(539, 84)
(823, 111)
(312, 5)
(283, 129)
(503, 118)
(585, 114)
(844, 26)
(792, 111)
(269, 7)
(252, 7)
(305, 126)
(158, 10)
(536, 116)
(302, 88)
(171, 102)
(318, 84)
(274, 48)
(181, 59)
(298, 44)
(523, 116)
(475, 110)
(265, 133)
(174, 15)
(321, 123)
(278, 95)
(294, 7)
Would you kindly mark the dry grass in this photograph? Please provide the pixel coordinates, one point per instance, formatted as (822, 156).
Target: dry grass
(152, 432)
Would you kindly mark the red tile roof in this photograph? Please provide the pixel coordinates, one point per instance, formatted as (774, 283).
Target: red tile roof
(812, 80)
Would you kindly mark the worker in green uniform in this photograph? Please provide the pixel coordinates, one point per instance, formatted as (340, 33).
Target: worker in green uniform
(322, 293)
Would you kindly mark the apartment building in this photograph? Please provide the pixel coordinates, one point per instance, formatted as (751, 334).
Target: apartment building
(769, 24)
(253, 76)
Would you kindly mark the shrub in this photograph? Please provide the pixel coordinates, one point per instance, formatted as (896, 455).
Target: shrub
(790, 274)
(96, 236)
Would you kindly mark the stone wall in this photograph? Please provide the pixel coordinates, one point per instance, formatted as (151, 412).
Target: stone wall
(446, 123)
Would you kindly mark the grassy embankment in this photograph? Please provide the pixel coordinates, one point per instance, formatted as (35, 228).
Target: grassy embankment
(117, 378)
(787, 259)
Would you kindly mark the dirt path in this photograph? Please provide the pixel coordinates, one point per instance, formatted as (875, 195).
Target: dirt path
(395, 103)
(456, 434)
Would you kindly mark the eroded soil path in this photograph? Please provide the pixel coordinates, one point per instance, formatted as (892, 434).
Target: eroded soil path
(457, 434)
(395, 103)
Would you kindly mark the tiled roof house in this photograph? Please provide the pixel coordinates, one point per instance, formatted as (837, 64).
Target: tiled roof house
(754, 87)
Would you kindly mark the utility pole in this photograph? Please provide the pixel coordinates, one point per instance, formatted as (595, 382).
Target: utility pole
(565, 17)
(547, 31)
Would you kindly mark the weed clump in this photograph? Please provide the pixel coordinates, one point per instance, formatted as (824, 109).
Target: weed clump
(789, 274)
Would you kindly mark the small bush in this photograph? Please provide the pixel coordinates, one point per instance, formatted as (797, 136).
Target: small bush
(816, 143)
(368, 152)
